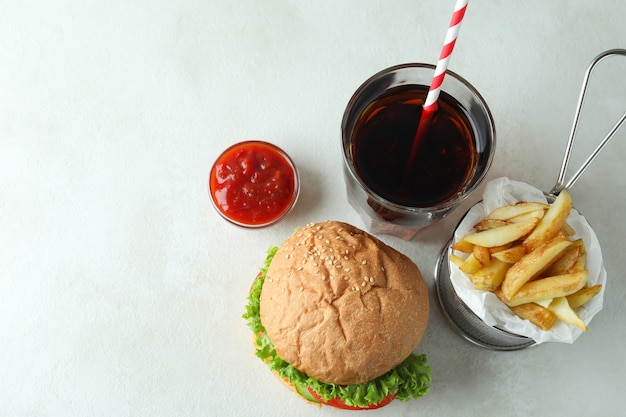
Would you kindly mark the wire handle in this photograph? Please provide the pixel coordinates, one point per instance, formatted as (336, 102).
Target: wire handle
(561, 184)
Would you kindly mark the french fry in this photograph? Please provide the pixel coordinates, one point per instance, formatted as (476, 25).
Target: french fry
(463, 246)
(514, 210)
(501, 235)
(470, 265)
(566, 262)
(535, 214)
(551, 223)
(580, 264)
(536, 314)
(490, 277)
(545, 288)
(496, 249)
(482, 254)
(486, 224)
(532, 264)
(511, 255)
(456, 259)
(568, 230)
(560, 307)
(544, 303)
(583, 295)
(579, 243)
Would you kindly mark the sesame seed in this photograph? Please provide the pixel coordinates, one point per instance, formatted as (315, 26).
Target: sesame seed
(327, 241)
(346, 269)
(371, 279)
(363, 284)
(299, 268)
(364, 262)
(301, 288)
(346, 258)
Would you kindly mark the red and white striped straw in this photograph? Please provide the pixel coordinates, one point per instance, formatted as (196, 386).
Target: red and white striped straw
(430, 104)
(446, 51)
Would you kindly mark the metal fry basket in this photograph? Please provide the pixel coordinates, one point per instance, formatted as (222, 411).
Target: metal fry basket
(459, 315)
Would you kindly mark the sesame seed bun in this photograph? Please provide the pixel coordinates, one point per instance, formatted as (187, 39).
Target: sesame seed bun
(342, 306)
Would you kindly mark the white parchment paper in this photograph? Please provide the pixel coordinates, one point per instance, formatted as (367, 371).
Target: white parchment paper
(487, 306)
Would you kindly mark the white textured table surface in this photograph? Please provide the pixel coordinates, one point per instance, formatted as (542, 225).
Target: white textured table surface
(121, 289)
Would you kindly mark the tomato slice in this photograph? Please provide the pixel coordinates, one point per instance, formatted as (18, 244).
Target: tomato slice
(338, 403)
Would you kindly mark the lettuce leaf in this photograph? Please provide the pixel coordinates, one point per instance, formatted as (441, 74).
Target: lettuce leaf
(410, 379)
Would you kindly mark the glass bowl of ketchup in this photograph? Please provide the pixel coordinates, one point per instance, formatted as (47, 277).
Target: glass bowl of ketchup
(254, 184)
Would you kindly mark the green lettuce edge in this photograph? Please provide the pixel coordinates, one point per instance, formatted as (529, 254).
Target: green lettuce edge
(408, 380)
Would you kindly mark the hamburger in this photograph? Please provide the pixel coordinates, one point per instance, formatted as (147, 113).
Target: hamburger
(336, 314)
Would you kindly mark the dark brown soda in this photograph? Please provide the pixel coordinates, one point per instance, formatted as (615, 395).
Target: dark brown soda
(383, 137)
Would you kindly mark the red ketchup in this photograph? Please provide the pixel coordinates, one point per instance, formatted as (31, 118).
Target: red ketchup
(253, 184)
